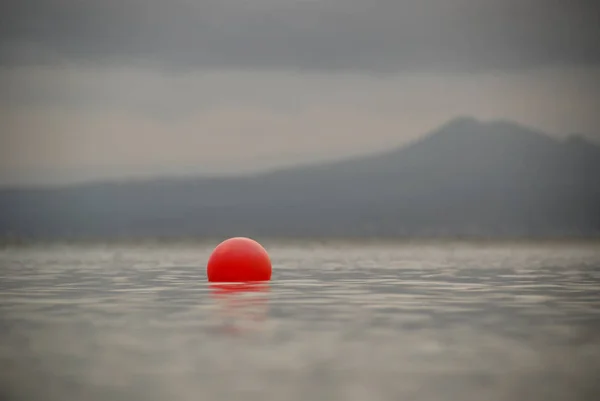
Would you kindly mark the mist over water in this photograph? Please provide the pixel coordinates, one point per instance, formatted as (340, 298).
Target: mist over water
(448, 321)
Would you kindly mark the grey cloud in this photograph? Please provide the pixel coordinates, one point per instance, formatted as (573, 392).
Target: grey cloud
(374, 35)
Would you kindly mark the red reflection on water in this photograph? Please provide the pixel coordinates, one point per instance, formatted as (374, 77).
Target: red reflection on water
(220, 289)
(241, 307)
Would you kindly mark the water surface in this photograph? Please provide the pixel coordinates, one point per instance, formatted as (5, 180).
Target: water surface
(362, 322)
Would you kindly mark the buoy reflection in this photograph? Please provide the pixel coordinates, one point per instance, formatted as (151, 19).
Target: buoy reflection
(241, 308)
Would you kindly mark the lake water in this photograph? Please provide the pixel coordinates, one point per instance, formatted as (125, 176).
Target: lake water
(450, 321)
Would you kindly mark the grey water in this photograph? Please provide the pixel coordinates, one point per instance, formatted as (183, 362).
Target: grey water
(354, 321)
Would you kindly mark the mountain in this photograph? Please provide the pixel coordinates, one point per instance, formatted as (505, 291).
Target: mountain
(467, 178)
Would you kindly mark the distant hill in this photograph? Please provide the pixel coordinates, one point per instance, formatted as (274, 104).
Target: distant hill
(467, 178)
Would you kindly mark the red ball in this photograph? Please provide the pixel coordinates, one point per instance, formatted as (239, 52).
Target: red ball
(239, 259)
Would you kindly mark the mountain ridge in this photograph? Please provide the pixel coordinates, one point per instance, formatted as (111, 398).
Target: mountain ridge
(483, 178)
(454, 124)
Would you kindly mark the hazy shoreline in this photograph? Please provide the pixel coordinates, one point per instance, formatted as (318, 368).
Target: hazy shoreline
(308, 241)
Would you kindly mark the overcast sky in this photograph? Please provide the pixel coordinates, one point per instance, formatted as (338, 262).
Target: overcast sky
(115, 88)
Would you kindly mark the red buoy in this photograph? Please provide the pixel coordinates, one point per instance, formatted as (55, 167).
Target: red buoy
(239, 259)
